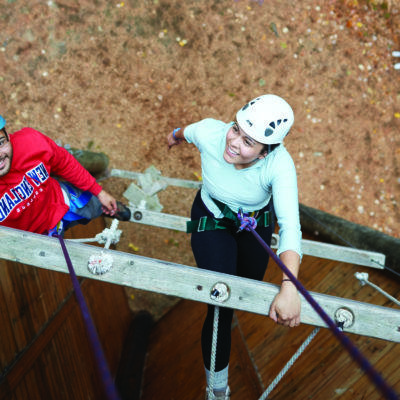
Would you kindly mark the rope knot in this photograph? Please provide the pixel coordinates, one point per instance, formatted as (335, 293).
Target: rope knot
(246, 222)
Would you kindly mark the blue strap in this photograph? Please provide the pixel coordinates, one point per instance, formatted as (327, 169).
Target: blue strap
(76, 202)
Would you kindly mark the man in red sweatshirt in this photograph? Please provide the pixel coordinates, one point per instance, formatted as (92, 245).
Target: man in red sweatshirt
(32, 199)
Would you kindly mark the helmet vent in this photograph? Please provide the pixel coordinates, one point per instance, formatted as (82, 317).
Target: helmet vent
(268, 132)
(272, 124)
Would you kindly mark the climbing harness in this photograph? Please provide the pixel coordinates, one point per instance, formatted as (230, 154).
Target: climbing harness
(365, 365)
(102, 366)
(229, 221)
(363, 278)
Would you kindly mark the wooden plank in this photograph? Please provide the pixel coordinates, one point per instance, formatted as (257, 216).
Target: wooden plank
(29, 357)
(254, 388)
(119, 173)
(174, 368)
(341, 253)
(53, 348)
(174, 365)
(333, 252)
(325, 370)
(309, 247)
(334, 229)
(190, 283)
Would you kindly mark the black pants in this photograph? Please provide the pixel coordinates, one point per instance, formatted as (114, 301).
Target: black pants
(231, 253)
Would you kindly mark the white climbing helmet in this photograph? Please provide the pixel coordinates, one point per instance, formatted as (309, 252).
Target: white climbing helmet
(266, 119)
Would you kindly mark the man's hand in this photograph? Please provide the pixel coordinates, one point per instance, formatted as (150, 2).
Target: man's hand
(108, 202)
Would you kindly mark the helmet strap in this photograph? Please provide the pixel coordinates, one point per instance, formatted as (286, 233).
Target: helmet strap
(5, 133)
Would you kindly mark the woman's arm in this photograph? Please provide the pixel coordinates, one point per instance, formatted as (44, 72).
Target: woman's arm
(286, 306)
(175, 137)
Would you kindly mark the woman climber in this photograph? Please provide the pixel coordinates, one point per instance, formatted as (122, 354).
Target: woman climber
(246, 171)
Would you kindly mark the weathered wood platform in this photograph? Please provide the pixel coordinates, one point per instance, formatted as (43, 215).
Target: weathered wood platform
(42, 334)
(260, 348)
(44, 350)
(188, 282)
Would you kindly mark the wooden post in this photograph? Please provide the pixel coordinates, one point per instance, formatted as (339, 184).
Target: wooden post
(340, 231)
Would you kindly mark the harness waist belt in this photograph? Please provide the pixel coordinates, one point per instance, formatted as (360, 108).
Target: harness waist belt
(229, 221)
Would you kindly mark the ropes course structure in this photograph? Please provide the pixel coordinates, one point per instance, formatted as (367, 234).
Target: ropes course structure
(387, 391)
(338, 314)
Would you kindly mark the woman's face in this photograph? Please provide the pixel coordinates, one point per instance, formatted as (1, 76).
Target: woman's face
(241, 150)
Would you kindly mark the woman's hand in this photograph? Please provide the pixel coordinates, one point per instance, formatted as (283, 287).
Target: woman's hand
(175, 137)
(286, 306)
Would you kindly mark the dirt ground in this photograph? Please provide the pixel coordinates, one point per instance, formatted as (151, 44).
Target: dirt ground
(116, 77)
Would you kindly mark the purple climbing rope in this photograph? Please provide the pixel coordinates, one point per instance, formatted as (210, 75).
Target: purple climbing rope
(246, 221)
(102, 365)
(385, 389)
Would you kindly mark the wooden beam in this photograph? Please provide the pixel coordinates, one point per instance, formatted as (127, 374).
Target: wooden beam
(366, 257)
(309, 247)
(189, 282)
(119, 173)
(342, 232)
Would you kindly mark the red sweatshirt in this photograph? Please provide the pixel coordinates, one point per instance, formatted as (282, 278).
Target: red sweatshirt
(30, 199)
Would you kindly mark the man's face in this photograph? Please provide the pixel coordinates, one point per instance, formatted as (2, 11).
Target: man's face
(6, 154)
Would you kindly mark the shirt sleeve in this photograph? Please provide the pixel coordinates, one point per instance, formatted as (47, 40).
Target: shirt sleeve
(286, 203)
(66, 166)
(202, 133)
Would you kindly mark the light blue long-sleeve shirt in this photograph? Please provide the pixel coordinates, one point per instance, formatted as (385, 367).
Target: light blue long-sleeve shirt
(249, 188)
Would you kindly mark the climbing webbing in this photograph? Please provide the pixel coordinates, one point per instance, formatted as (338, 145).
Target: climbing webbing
(229, 221)
(385, 389)
(102, 366)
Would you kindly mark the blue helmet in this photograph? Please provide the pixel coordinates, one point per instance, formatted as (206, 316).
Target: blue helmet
(2, 122)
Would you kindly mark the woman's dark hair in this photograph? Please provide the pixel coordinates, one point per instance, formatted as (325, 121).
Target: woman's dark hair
(268, 148)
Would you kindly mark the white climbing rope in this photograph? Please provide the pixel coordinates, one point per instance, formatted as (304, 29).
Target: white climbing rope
(99, 264)
(108, 236)
(213, 354)
(295, 356)
(363, 278)
(396, 54)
